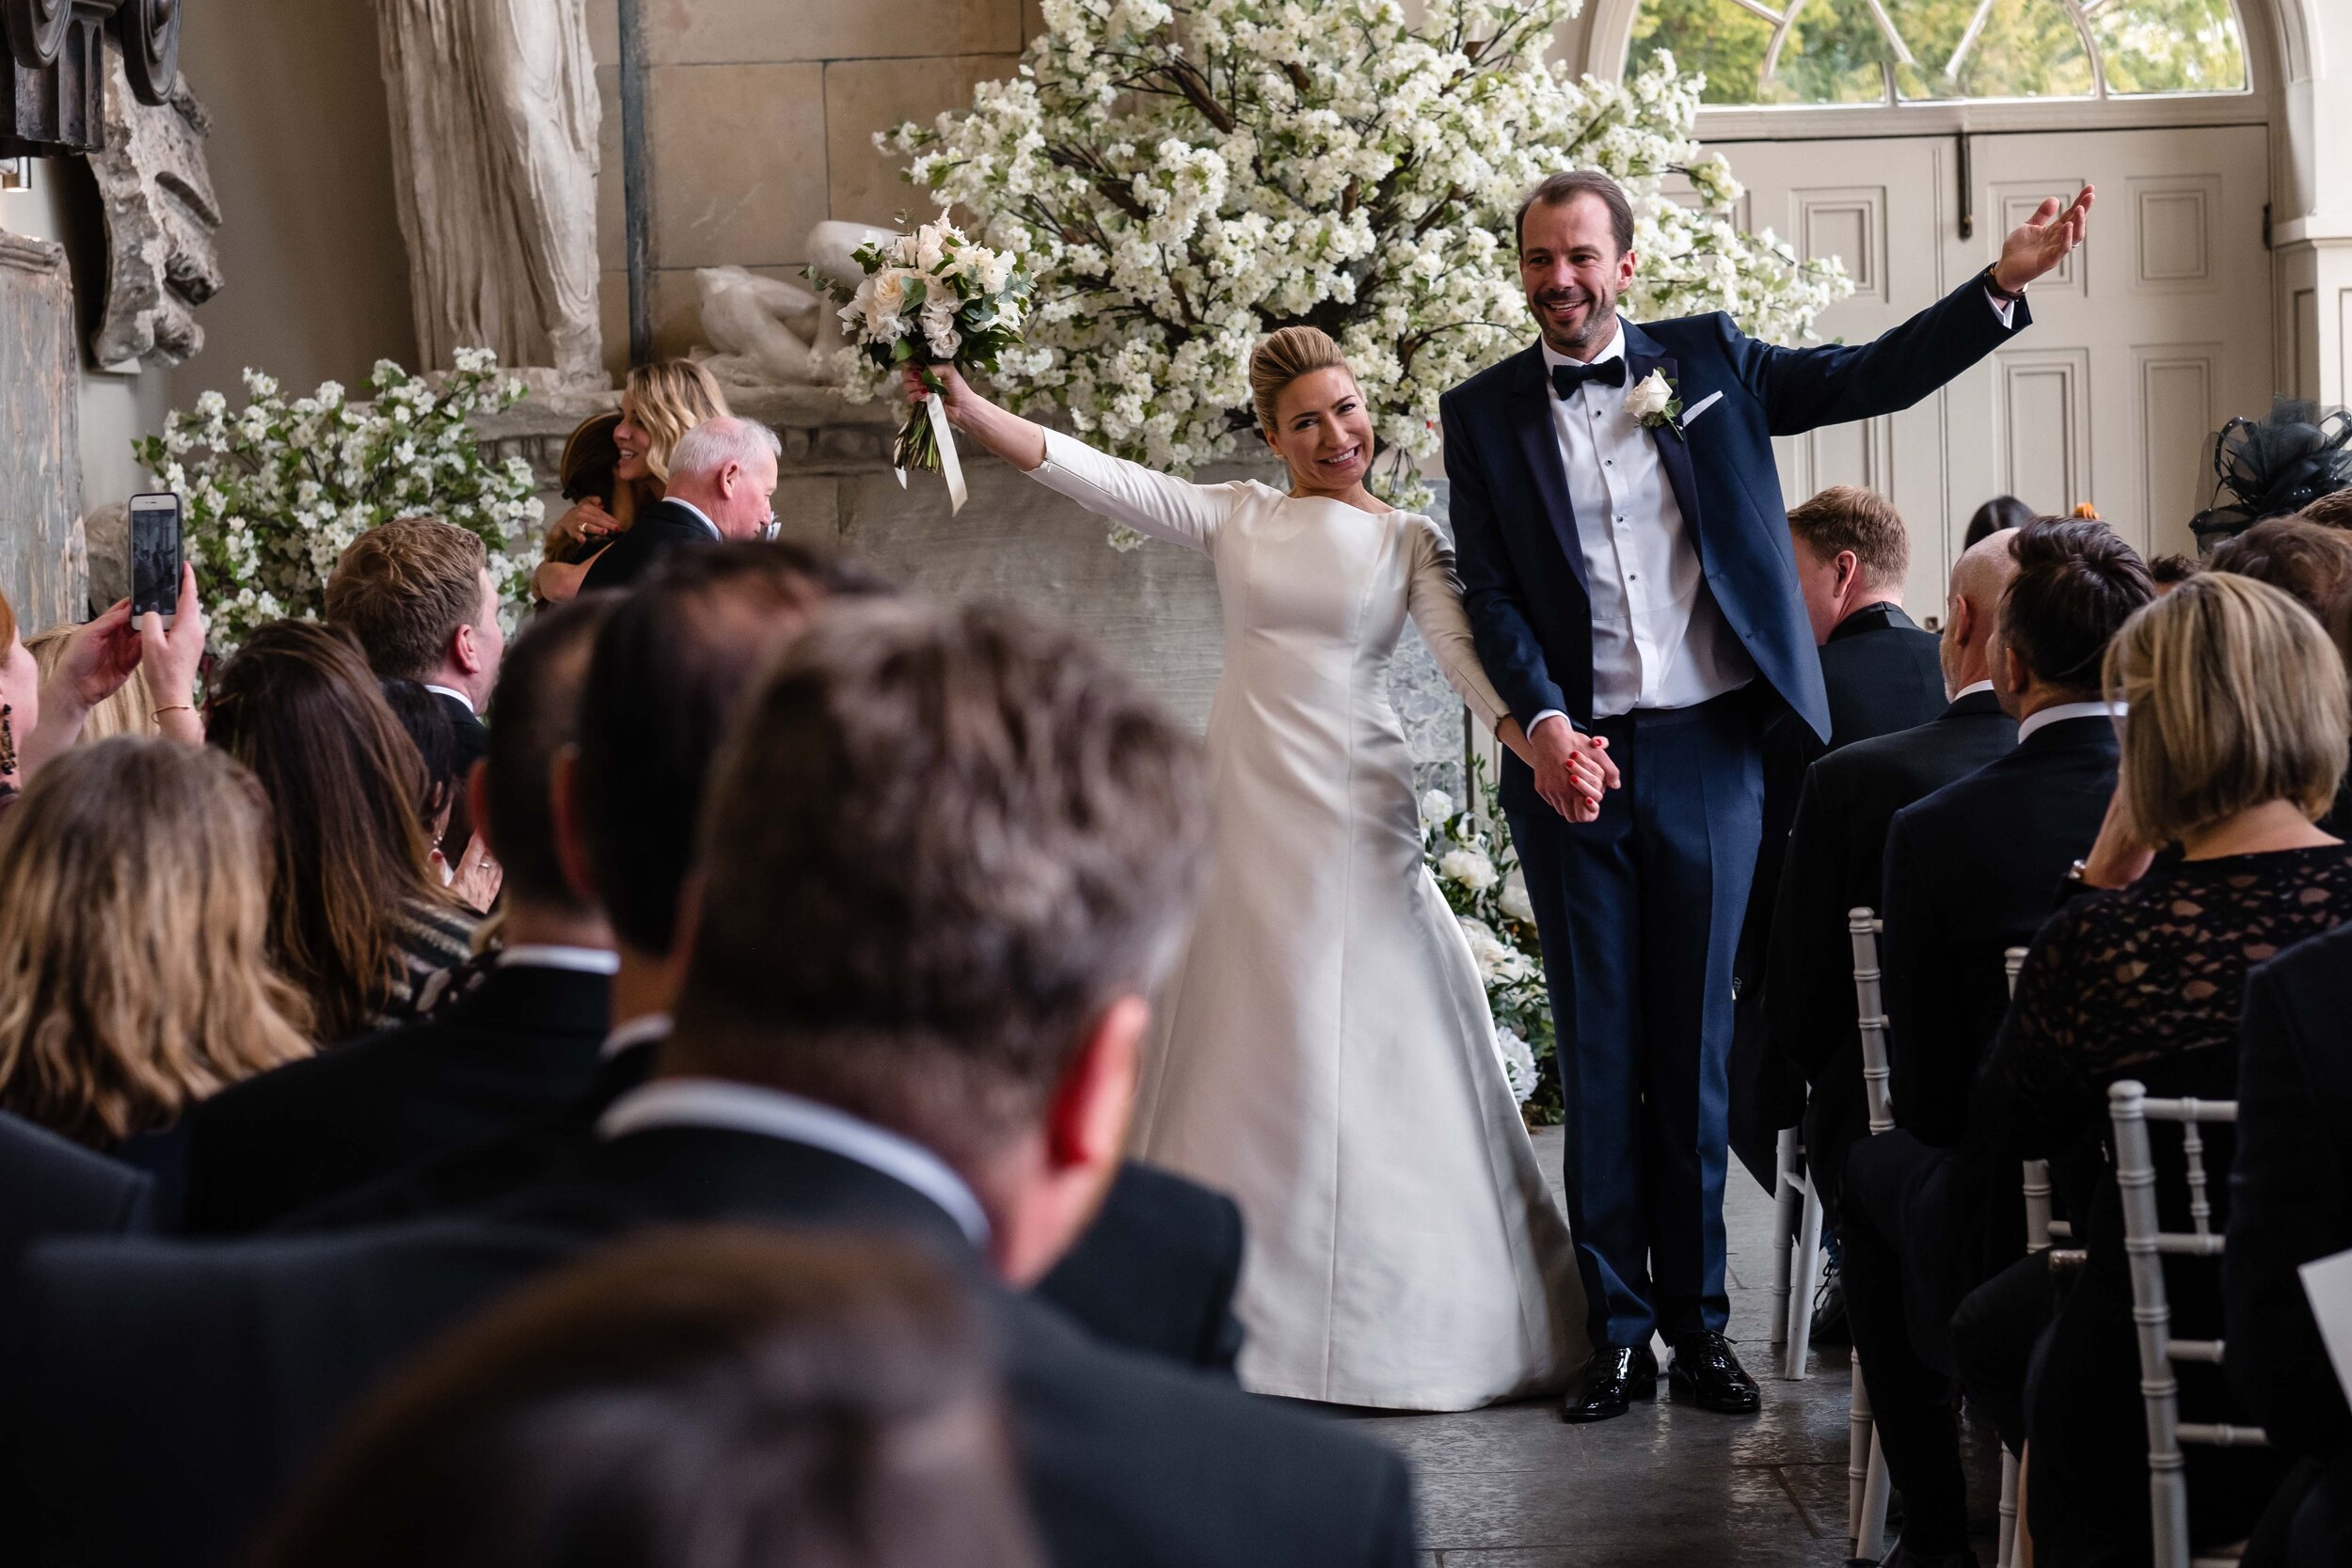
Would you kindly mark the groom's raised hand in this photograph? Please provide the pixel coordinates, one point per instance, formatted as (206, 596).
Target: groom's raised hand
(2043, 240)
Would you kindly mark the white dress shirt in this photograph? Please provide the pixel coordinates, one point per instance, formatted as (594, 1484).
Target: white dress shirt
(452, 691)
(1660, 639)
(2056, 711)
(771, 1113)
(548, 955)
(1971, 689)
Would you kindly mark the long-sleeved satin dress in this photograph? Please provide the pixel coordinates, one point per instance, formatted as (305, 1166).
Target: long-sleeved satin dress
(1324, 1051)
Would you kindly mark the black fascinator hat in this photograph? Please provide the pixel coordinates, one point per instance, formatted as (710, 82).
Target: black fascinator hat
(2274, 466)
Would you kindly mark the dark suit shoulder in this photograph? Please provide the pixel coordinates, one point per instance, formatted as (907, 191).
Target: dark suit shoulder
(1134, 1461)
(1157, 1269)
(1493, 382)
(1908, 765)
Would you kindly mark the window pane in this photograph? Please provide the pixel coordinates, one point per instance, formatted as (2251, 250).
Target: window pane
(1713, 36)
(1834, 53)
(2026, 49)
(2170, 46)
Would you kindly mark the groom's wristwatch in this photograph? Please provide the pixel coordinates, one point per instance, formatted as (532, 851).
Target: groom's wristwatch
(1992, 287)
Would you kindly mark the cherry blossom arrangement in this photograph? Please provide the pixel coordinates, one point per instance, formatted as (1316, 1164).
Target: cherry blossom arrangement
(273, 492)
(1181, 176)
(928, 298)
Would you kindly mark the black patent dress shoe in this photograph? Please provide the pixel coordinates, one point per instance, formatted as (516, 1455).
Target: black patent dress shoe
(1617, 1378)
(1707, 1374)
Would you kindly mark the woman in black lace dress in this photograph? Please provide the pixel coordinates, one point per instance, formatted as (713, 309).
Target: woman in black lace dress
(2233, 744)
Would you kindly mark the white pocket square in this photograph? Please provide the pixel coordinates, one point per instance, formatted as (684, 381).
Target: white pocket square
(1690, 415)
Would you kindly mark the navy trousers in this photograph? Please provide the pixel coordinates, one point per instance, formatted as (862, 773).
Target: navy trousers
(1640, 914)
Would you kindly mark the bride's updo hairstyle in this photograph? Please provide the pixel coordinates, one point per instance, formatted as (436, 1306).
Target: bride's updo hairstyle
(1281, 357)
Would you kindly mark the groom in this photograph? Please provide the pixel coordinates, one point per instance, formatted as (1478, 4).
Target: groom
(1626, 570)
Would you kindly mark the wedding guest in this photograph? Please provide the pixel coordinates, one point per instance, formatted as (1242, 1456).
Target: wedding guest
(516, 1037)
(425, 723)
(1836, 849)
(50, 705)
(2235, 740)
(949, 853)
(1882, 674)
(134, 972)
(359, 920)
(2333, 509)
(1997, 515)
(722, 487)
(55, 1187)
(2291, 1203)
(417, 598)
(708, 1398)
(2309, 562)
(1971, 871)
(2168, 572)
(660, 403)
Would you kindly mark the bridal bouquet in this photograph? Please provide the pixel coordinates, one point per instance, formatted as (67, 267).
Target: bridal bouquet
(931, 297)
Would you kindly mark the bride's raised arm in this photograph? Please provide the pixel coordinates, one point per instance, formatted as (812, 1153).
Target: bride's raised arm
(1145, 499)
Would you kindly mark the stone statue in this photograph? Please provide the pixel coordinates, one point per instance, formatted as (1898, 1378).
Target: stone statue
(494, 115)
(160, 217)
(768, 332)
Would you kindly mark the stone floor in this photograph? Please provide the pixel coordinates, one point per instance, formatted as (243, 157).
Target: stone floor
(1515, 1487)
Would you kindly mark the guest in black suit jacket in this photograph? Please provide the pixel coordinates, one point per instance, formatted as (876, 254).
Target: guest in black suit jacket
(517, 1037)
(52, 1187)
(1157, 1269)
(1882, 674)
(2291, 1202)
(723, 479)
(882, 1027)
(1836, 857)
(417, 598)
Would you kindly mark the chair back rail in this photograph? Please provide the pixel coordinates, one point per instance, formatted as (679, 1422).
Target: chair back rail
(2146, 1245)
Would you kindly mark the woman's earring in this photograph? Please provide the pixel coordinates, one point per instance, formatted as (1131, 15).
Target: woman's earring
(8, 739)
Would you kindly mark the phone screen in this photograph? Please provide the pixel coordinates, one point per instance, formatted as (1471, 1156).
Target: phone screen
(155, 554)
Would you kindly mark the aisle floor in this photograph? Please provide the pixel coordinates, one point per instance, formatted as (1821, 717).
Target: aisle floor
(1516, 1487)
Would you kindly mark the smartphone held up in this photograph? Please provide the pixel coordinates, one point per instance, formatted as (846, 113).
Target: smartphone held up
(155, 556)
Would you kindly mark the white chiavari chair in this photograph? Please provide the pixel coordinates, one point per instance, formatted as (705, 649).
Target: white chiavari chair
(1867, 1482)
(1796, 1253)
(2146, 1244)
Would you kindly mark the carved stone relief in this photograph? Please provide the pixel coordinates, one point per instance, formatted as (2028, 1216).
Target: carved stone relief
(494, 113)
(41, 557)
(161, 218)
(771, 332)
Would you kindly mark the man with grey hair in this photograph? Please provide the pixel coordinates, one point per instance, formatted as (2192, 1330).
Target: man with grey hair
(722, 487)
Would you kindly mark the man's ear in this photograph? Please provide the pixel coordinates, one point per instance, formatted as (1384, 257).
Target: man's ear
(1085, 1119)
(465, 649)
(1961, 617)
(571, 840)
(477, 800)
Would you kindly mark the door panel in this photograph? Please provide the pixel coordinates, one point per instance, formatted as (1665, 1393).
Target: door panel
(2143, 342)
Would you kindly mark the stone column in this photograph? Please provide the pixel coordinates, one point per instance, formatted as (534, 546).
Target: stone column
(494, 117)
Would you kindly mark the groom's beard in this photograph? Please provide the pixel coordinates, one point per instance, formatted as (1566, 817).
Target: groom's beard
(1591, 330)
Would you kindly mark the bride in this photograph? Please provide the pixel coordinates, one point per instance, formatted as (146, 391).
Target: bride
(1326, 1053)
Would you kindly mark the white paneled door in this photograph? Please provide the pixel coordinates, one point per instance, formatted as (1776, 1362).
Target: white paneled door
(2151, 336)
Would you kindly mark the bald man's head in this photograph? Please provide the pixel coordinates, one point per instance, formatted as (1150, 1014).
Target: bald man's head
(1980, 578)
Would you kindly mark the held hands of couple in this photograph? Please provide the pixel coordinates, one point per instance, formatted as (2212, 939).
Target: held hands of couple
(1572, 769)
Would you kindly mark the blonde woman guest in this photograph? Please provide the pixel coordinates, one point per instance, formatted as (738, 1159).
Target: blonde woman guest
(134, 970)
(1326, 1053)
(83, 668)
(661, 402)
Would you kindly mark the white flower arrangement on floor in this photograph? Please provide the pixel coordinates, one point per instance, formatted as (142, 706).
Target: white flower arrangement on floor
(1478, 872)
(1182, 176)
(273, 492)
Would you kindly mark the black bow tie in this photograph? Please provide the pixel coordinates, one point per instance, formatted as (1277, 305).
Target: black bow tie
(1565, 379)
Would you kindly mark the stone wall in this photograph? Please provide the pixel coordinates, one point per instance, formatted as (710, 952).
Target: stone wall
(760, 117)
(1155, 607)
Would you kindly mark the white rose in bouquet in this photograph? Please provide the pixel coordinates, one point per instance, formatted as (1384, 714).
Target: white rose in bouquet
(1514, 900)
(1437, 808)
(1468, 866)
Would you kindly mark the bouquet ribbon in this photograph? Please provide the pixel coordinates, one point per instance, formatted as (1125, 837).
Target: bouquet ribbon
(950, 467)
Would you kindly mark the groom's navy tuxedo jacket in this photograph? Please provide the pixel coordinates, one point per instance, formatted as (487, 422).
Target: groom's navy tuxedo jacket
(1516, 533)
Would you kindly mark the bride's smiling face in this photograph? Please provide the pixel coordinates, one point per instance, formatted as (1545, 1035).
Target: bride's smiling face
(1323, 429)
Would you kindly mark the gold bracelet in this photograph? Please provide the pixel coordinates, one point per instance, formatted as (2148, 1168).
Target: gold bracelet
(177, 708)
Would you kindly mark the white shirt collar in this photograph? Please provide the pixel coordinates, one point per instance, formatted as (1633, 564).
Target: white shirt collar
(1971, 689)
(1615, 351)
(452, 691)
(2057, 712)
(772, 1114)
(637, 1031)
(701, 516)
(548, 955)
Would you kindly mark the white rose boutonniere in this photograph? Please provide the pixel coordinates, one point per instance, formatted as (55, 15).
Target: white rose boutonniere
(1651, 400)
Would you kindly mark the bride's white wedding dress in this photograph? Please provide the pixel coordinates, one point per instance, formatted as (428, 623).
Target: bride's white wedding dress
(1325, 1052)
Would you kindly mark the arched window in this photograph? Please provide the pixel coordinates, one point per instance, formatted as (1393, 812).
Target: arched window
(1936, 50)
